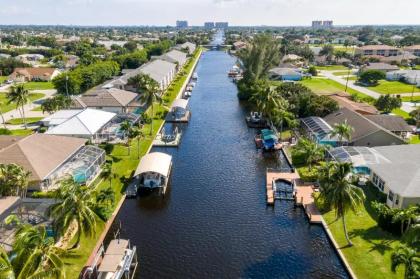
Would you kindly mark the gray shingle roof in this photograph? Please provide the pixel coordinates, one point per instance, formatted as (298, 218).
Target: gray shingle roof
(390, 122)
(158, 69)
(111, 97)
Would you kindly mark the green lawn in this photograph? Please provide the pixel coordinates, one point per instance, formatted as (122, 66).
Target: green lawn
(19, 121)
(331, 67)
(370, 255)
(124, 164)
(341, 73)
(39, 85)
(393, 87)
(5, 107)
(408, 98)
(2, 79)
(401, 113)
(323, 86)
(22, 132)
(415, 139)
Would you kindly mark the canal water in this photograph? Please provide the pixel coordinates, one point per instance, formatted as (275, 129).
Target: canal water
(214, 222)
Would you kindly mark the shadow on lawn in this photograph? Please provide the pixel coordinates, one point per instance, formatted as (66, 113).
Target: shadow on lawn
(380, 241)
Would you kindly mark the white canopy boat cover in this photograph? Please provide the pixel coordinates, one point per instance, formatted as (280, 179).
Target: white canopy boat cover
(157, 162)
(179, 103)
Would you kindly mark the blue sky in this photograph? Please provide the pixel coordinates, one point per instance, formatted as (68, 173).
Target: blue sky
(236, 12)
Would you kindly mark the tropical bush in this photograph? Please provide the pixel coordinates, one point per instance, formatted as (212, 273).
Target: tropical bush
(371, 77)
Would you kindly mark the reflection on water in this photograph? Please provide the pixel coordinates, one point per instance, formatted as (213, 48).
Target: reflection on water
(214, 222)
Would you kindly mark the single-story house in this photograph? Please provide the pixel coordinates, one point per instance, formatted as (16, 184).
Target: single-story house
(379, 66)
(95, 125)
(33, 74)
(393, 123)
(394, 170)
(190, 47)
(366, 132)
(408, 76)
(50, 158)
(112, 100)
(289, 74)
(344, 100)
(173, 56)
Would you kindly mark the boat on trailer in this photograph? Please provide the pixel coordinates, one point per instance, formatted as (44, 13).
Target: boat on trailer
(267, 140)
(153, 172)
(256, 120)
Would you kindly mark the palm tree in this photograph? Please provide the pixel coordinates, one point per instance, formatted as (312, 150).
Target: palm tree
(149, 90)
(310, 151)
(106, 196)
(412, 236)
(13, 180)
(343, 131)
(6, 268)
(409, 258)
(2, 116)
(35, 254)
(107, 172)
(126, 128)
(340, 194)
(19, 95)
(405, 216)
(75, 207)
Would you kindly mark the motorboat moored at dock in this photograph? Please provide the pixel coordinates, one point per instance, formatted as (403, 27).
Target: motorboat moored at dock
(256, 120)
(267, 140)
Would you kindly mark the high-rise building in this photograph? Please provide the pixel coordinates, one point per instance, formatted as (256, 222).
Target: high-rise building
(209, 25)
(221, 25)
(182, 24)
(319, 24)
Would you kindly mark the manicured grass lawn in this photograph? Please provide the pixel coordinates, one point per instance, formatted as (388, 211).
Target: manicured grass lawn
(4, 107)
(19, 121)
(38, 108)
(2, 79)
(393, 87)
(409, 98)
(341, 73)
(415, 139)
(22, 132)
(323, 86)
(123, 167)
(331, 67)
(39, 85)
(401, 113)
(370, 257)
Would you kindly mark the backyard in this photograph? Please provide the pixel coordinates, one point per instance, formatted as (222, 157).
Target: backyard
(19, 121)
(370, 257)
(39, 85)
(123, 166)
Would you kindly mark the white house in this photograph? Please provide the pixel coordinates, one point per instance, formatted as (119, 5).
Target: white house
(408, 76)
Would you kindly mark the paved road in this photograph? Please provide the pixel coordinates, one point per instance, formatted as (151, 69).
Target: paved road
(406, 106)
(29, 107)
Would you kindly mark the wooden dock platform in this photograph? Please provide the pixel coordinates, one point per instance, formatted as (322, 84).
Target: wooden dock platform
(303, 192)
(158, 142)
(171, 119)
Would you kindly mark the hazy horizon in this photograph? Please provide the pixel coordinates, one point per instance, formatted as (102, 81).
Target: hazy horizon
(281, 13)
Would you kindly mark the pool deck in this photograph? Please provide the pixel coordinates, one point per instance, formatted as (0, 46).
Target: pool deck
(171, 119)
(303, 193)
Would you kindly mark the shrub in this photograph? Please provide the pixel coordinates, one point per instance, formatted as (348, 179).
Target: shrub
(385, 218)
(312, 70)
(5, 131)
(371, 77)
(387, 103)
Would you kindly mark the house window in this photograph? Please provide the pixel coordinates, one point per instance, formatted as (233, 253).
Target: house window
(378, 182)
(391, 196)
(397, 199)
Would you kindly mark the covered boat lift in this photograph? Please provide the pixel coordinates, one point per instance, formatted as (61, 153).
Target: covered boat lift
(153, 171)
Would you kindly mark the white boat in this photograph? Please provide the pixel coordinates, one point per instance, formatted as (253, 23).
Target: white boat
(119, 261)
(153, 171)
(195, 76)
(187, 94)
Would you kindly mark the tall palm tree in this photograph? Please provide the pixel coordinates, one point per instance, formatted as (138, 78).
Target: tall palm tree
(19, 95)
(149, 91)
(343, 131)
(107, 172)
(6, 268)
(35, 254)
(2, 116)
(75, 206)
(126, 128)
(106, 196)
(405, 216)
(340, 194)
(407, 257)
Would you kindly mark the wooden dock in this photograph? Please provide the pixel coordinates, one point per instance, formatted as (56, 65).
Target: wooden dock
(303, 192)
(170, 118)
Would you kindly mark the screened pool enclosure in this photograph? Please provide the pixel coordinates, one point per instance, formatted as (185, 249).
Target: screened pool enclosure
(319, 130)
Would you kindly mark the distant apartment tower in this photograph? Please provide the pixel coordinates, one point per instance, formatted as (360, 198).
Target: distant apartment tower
(209, 25)
(182, 24)
(221, 25)
(319, 24)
